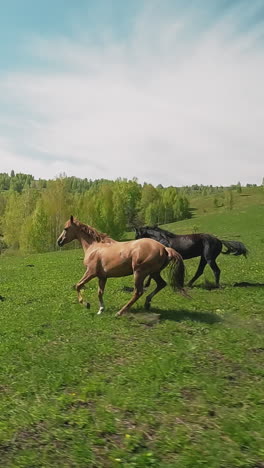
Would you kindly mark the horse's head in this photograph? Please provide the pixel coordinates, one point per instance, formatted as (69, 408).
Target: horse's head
(146, 231)
(141, 232)
(69, 233)
(153, 232)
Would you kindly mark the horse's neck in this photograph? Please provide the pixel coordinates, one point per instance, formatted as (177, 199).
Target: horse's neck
(169, 236)
(87, 242)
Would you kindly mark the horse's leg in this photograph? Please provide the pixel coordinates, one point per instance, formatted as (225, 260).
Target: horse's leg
(160, 285)
(147, 283)
(101, 287)
(211, 253)
(79, 286)
(212, 263)
(138, 291)
(199, 271)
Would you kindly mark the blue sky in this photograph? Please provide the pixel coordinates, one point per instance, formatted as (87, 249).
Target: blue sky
(169, 91)
(20, 20)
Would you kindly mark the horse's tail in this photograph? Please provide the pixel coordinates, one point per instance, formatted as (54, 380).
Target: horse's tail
(234, 248)
(176, 271)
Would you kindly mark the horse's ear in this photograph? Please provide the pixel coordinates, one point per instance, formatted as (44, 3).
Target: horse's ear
(71, 219)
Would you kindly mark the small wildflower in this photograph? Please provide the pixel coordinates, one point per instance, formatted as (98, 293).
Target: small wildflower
(118, 459)
(127, 436)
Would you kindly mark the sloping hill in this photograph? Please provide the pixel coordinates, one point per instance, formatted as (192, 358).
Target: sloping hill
(180, 386)
(220, 202)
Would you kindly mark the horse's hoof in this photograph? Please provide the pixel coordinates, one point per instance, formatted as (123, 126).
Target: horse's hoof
(147, 305)
(118, 314)
(87, 305)
(100, 310)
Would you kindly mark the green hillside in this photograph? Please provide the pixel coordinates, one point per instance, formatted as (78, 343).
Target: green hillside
(182, 385)
(249, 196)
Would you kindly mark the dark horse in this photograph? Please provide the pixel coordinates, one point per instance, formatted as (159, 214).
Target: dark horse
(206, 246)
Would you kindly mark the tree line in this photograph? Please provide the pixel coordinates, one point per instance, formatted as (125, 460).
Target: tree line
(33, 212)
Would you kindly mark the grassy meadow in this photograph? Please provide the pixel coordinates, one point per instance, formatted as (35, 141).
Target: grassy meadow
(180, 386)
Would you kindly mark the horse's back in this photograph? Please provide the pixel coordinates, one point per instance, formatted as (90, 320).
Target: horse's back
(193, 245)
(188, 245)
(122, 258)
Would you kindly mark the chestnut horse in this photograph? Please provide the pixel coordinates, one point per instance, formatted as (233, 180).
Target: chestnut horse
(106, 258)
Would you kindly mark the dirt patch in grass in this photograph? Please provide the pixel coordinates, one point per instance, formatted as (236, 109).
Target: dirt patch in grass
(26, 437)
(90, 405)
(256, 350)
(188, 394)
(149, 319)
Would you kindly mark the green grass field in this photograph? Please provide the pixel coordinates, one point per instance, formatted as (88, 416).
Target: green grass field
(181, 386)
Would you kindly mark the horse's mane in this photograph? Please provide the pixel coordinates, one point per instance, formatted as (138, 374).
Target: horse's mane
(93, 233)
(158, 229)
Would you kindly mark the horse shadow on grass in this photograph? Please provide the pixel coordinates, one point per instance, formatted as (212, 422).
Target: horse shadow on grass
(246, 284)
(185, 314)
(243, 284)
(160, 315)
(208, 286)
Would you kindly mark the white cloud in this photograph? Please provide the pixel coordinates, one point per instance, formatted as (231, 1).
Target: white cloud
(162, 106)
